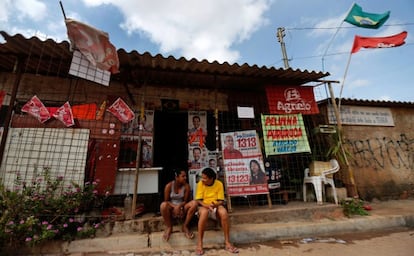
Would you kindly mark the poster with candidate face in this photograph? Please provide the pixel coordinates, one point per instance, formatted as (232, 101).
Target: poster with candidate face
(243, 163)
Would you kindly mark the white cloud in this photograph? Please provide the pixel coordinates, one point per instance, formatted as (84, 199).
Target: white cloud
(34, 9)
(5, 6)
(358, 83)
(193, 29)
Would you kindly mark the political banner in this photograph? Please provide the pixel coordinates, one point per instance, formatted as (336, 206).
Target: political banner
(291, 100)
(243, 163)
(284, 134)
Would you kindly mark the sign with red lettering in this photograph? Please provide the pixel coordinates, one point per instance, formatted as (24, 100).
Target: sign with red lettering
(243, 163)
(284, 134)
(291, 100)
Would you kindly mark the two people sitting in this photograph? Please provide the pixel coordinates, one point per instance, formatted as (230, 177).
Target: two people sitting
(208, 202)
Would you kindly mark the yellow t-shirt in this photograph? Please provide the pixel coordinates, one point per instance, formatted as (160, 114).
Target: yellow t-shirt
(210, 194)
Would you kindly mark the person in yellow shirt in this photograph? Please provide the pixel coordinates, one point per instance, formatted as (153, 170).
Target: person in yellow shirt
(210, 198)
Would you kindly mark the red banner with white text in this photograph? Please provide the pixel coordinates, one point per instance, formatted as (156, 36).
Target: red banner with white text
(291, 100)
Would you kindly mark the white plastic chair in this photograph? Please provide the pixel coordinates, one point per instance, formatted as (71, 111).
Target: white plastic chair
(319, 182)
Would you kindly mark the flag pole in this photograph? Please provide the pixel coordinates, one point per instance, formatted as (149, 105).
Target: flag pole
(343, 80)
(63, 10)
(330, 42)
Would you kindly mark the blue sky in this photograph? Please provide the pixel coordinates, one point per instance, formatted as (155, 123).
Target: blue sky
(243, 31)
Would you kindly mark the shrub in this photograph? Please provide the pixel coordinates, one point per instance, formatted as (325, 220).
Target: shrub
(43, 210)
(354, 206)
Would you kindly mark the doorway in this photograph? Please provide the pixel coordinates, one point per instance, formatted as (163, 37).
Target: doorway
(170, 144)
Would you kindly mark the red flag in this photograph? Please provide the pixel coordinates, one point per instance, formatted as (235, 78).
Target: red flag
(121, 110)
(378, 42)
(36, 108)
(64, 114)
(94, 45)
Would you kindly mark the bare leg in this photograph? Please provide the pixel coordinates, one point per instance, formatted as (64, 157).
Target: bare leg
(190, 209)
(166, 210)
(224, 221)
(202, 221)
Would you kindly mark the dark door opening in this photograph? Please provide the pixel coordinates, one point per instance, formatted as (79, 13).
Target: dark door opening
(170, 144)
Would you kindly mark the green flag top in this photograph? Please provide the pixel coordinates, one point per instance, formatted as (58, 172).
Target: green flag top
(363, 19)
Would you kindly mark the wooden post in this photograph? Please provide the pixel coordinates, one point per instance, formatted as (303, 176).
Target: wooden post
(269, 200)
(339, 124)
(18, 70)
(138, 159)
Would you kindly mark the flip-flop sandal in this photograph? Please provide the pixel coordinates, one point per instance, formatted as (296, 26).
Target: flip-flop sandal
(189, 235)
(232, 249)
(199, 251)
(166, 236)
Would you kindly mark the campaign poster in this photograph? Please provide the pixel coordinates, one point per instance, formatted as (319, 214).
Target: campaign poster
(197, 160)
(198, 154)
(243, 163)
(129, 140)
(146, 151)
(284, 134)
(128, 152)
(145, 123)
(197, 128)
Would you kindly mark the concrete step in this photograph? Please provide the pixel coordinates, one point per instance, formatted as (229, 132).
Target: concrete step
(293, 211)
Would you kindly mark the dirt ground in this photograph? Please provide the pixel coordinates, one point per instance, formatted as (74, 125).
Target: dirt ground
(385, 243)
(395, 242)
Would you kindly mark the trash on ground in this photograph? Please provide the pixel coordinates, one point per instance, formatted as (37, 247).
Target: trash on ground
(321, 240)
(286, 242)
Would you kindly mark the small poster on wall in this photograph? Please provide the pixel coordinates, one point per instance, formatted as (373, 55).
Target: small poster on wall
(146, 122)
(197, 128)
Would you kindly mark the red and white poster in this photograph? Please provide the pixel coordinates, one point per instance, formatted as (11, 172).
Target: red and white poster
(121, 110)
(243, 163)
(197, 128)
(35, 108)
(64, 114)
(291, 100)
(94, 44)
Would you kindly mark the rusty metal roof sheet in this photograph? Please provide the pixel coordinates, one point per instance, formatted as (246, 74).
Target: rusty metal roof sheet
(52, 58)
(369, 103)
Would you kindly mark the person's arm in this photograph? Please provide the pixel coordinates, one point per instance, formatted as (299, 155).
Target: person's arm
(220, 194)
(167, 192)
(187, 193)
(199, 195)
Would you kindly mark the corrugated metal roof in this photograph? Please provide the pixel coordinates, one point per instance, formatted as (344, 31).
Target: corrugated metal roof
(52, 58)
(369, 103)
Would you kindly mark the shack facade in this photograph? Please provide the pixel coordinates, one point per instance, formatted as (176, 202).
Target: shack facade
(168, 92)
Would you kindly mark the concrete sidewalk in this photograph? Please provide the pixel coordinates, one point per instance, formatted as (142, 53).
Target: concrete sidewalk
(384, 215)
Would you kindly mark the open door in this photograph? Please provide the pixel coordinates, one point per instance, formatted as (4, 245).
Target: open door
(170, 144)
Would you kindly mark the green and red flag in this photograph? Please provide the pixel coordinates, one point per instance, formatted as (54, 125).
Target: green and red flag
(378, 42)
(359, 18)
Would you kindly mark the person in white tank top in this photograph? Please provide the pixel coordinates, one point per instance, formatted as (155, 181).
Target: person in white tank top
(177, 204)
